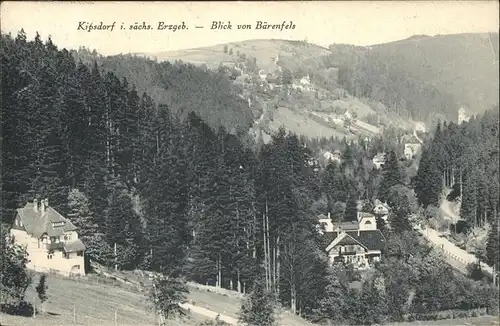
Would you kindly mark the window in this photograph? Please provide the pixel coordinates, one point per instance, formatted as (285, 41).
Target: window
(17, 222)
(57, 224)
(49, 256)
(67, 236)
(368, 222)
(20, 223)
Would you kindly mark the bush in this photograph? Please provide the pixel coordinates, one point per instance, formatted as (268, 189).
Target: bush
(22, 309)
(475, 272)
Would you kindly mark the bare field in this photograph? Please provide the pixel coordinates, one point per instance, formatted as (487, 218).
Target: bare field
(95, 304)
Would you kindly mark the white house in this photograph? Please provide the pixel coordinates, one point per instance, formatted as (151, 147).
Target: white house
(420, 126)
(306, 80)
(462, 116)
(50, 239)
(358, 242)
(262, 74)
(411, 150)
(381, 209)
(335, 156)
(379, 160)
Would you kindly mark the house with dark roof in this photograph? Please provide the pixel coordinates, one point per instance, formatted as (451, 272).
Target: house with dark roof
(49, 238)
(354, 242)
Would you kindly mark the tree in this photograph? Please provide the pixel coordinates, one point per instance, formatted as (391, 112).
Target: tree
(286, 77)
(392, 175)
(333, 305)
(41, 289)
(166, 295)
(15, 279)
(492, 251)
(351, 209)
(258, 308)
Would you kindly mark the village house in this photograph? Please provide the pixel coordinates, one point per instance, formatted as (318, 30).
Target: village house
(355, 242)
(462, 116)
(262, 75)
(379, 160)
(381, 209)
(50, 239)
(411, 150)
(334, 157)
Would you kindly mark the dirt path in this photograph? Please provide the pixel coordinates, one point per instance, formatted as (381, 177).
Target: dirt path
(209, 313)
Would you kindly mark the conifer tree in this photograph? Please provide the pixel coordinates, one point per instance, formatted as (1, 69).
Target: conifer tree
(258, 308)
(41, 289)
(391, 176)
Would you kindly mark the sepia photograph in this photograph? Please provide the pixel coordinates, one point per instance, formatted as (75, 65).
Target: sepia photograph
(272, 163)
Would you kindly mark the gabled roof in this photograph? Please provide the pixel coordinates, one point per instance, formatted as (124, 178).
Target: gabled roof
(362, 215)
(371, 239)
(37, 224)
(378, 202)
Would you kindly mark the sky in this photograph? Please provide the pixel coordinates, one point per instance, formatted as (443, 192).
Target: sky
(322, 22)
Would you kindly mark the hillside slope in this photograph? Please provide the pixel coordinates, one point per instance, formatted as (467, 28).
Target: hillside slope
(264, 51)
(422, 75)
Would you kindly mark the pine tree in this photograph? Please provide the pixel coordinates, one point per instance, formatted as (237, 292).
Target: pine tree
(41, 289)
(351, 209)
(123, 227)
(492, 251)
(166, 294)
(258, 308)
(333, 304)
(392, 175)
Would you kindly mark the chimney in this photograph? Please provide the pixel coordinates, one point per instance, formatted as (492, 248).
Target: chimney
(329, 215)
(358, 231)
(46, 202)
(35, 205)
(42, 207)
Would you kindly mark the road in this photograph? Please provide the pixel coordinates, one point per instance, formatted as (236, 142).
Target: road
(458, 255)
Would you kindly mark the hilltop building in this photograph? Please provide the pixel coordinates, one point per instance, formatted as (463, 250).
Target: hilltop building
(462, 116)
(50, 239)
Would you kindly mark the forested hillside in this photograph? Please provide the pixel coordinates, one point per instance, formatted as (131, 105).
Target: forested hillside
(465, 159)
(423, 75)
(183, 87)
(183, 199)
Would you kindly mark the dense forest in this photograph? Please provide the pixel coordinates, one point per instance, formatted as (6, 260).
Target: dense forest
(182, 198)
(461, 163)
(182, 87)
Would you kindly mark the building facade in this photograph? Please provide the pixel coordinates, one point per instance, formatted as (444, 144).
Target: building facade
(50, 239)
(359, 242)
